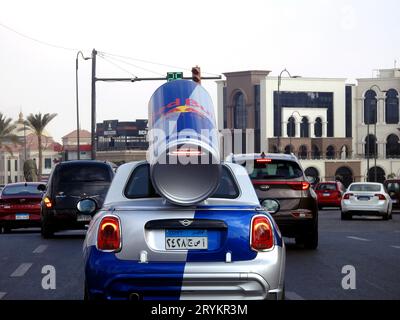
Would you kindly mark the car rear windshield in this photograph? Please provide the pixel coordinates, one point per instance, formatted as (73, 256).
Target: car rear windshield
(326, 186)
(393, 187)
(23, 190)
(366, 187)
(83, 173)
(140, 185)
(275, 169)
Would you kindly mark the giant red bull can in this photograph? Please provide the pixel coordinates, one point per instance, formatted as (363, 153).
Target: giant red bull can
(183, 143)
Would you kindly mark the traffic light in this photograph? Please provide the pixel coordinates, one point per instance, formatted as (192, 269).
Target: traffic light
(196, 74)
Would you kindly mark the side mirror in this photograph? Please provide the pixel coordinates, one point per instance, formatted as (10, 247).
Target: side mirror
(311, 179)
(41, 187)
(271, 205)
(86, 206)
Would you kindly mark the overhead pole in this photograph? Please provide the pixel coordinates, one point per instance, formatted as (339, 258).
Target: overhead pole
(93, 127)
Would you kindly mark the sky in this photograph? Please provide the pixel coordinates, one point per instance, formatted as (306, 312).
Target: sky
(311, 38)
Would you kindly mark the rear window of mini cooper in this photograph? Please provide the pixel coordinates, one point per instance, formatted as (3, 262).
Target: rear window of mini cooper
(140, 186)
(29, 190)
(326, 186)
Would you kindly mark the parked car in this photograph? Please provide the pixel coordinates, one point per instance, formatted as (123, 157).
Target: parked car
(393, 188)
(20, 206)
(281, 177)
(329, 194)
(139, 246)
(366, 198)
(70, 182)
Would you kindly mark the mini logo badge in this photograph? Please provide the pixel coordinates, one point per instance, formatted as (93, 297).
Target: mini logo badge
(265, 187)
(186, 222)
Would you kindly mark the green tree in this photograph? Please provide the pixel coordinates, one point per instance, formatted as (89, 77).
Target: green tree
(6, 133)
(37, 123)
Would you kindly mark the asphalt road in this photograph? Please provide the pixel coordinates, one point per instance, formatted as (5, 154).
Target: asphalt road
(372, 246)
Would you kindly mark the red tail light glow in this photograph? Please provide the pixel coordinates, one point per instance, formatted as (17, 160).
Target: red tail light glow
(299, 185)
(263, 160)
(380, 196)
(262, 237)
(47, 202)
(109, 234)
(347, 196)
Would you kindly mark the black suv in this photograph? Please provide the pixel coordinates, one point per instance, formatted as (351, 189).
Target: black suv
(281, 177)
(70, 182)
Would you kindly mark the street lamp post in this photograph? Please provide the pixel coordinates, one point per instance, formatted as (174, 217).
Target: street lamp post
(279, 104)
(376, 140)
(77, 101)
(291, 133)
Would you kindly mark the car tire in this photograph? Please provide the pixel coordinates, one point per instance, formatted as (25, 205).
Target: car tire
(46, 230)
(6, 230)
(345, 216)
(386, 216)
(311, 241)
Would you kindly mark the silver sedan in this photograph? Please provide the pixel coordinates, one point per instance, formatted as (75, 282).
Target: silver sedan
(366, 198)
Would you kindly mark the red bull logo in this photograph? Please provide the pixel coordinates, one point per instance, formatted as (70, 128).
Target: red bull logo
(189, 105)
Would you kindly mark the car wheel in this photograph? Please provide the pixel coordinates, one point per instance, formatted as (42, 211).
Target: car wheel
(311, 240)
(6, 229)
(345, 216)
(386, 216)
(46, 230)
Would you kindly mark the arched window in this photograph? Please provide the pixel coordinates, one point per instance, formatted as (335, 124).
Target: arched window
(376, 174)
(330, 152)
(304, 128)
(303, 152)
(291, 127)
(392, 146)
(370, 107)
(345, 175)
(318, 127)
(315, 152)
(392, 107)
(344, 152)
(240, 119)
(370, 146)
(289, 149)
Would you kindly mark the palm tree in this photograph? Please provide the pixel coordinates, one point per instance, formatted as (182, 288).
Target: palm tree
(6, 133)
(37, 123)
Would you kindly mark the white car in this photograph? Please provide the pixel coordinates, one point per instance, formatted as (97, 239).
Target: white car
(366, 198)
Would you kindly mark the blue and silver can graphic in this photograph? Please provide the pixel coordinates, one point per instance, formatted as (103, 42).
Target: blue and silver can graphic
(183, 143)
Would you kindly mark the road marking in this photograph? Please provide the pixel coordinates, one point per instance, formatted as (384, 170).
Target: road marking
(41, 248)
(293, 296)
(357, 238)
(396, 247)
(21, 270)
(2, 295)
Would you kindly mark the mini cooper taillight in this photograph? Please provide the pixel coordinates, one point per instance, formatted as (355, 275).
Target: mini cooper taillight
(109, 234)
(262, 236)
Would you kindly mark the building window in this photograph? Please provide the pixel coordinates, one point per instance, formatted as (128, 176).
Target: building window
(370, 145)
(304, 129)
(16, 179)
(9, 165)
(303, 152)
(315, 152)
(47, 163)
(16, 165)
(370, 107)
(318, 128)
(392, 107)
(291, 127)
(240, 111)
(392, 146)
(330, 152)
(313, 173)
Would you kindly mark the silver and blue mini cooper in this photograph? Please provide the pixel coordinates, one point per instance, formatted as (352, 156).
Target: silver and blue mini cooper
(140, 246)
